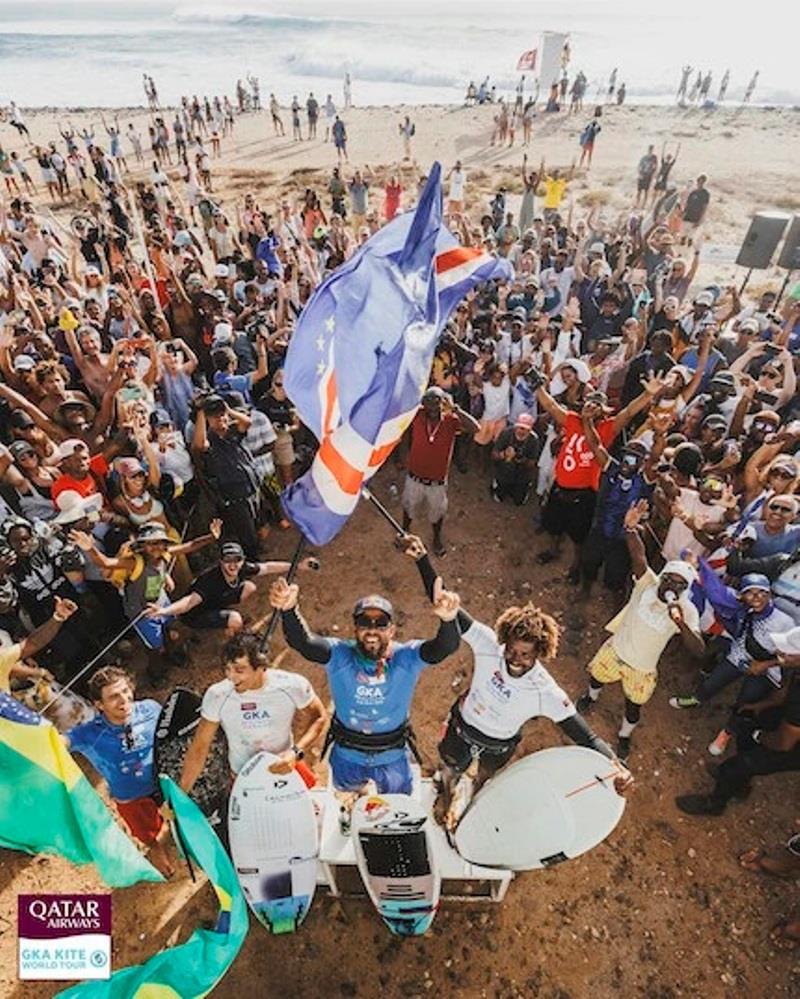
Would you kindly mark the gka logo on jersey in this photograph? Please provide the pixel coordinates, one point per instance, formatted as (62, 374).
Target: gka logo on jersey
(499, 686)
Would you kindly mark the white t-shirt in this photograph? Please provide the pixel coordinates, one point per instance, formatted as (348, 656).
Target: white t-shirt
(458, 179)
(679, 536)
(499, 704)
(564, 279)
(497, 400)
(643, 627)
(258, 719)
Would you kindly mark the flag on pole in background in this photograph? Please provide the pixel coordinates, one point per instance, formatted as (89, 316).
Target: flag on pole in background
(190, 970)
(527, 60)
(48, 806)
(360, 357)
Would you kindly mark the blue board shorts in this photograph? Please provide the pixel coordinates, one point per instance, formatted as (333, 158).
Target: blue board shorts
(351, 775)
(151, 631)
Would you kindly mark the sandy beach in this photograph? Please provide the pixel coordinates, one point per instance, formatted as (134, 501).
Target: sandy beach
(662, 909)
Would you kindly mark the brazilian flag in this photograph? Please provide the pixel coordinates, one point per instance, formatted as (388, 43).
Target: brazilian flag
(48, 806)
(191, 970)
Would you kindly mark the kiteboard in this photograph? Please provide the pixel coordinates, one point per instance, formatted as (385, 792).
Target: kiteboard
(394, 851)
(549, 807)
(66, 708)
(272, 830)
(175, 730)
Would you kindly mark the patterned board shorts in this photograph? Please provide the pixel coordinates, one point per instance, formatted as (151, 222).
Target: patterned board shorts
(607, 667)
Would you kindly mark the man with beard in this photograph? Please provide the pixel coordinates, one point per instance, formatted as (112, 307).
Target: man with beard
(372, 680)
(658, 608)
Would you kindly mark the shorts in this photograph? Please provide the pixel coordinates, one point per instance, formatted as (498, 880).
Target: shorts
(607, 667)
(643, 183)
(352, 775)
(284, 448)
(142, 817)
(456, 752)
(358, 221)
(151, 631)
(421, 501)
(570, 512)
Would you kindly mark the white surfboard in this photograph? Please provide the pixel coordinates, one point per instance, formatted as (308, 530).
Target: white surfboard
(274, 843)
(394, 851)
(549, 807)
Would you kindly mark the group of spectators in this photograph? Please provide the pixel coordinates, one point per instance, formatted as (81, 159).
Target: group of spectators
(646, 419)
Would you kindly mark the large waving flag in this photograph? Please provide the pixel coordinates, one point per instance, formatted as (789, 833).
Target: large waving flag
(48, 806)
(192, 969)
(360, 357)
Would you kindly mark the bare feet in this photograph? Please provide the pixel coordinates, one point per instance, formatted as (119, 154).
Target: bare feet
(159, 857)
(760, 861)
(786, 935)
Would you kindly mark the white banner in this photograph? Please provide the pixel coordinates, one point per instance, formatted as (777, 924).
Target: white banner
(550, 52)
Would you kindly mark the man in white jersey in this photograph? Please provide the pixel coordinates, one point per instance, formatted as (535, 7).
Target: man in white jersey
(509, 687)
(258, 709)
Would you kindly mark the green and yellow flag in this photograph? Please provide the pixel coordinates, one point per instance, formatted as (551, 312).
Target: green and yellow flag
(190, 970)
(48, 806)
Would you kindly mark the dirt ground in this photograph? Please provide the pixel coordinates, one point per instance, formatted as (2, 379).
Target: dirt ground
(661, 909)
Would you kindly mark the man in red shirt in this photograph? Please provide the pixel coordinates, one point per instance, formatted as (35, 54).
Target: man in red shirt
(79, 473)
(432, 435)
(570, 507)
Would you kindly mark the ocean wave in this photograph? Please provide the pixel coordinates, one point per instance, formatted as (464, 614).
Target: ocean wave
(234, 16)
(374, 72)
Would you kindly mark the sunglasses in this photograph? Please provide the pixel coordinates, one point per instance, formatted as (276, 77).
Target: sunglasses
(783, 473)
(780, 508)
(233, 560)
(379, 623)
(772, 375)
(128, 739)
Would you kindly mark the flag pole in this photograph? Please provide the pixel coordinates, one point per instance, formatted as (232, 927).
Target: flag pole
(369, 495)
(273, 621)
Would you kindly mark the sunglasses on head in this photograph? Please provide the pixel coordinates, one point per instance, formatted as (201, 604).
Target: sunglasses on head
(381, 621)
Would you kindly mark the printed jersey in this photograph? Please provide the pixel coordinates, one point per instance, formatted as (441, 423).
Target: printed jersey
(576, 467)
(367, 699)
(499, 704)
(121, 754)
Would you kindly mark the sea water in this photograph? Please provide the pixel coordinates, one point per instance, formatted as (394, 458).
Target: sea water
(76, 53)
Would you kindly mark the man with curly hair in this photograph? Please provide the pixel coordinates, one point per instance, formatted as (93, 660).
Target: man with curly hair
(509, 687)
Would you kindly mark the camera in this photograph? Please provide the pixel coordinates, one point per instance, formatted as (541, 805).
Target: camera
(534, 378)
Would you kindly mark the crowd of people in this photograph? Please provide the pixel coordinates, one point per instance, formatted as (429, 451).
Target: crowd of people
(648, 423)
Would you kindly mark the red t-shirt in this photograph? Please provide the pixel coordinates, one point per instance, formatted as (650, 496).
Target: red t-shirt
(576, 467)
(98, 469)
(432, 446)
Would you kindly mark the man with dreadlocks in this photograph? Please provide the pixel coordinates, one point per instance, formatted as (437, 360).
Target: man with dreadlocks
(509, 686)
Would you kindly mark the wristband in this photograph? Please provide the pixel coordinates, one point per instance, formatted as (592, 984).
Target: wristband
(60, 620)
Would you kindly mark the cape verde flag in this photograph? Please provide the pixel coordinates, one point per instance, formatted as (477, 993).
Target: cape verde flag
(360, 357)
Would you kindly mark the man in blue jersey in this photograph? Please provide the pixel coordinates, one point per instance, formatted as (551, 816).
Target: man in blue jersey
(118, 742)
(372, 679)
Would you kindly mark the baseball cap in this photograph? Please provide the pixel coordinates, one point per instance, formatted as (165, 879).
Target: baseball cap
(221, 270)
(223, 335)
(19, 448)
(754, 581)
(24, 362)
(434, 392)
(598, 247)
(524, 421)
(91, 270)
(749, 324)
(231, 550)
(67, 448)
(128, 467)
(373, 602)
(160, 418)
(723, 378)
(520, 314)
(20, 420)
(704, 298)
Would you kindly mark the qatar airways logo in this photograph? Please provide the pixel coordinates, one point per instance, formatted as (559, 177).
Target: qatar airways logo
(43, 916)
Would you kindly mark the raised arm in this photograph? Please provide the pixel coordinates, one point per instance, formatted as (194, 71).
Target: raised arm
(601, 455)
(556, 412)
(652, 386)
(284, 596)
(633, 521)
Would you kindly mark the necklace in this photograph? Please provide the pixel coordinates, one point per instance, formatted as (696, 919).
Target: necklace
(431, 435)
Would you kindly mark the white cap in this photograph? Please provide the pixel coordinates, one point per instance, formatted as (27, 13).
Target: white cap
(67, 448)
(223, 335)
(73, 506)
(704, 298)
(598, 247)
(221, 270)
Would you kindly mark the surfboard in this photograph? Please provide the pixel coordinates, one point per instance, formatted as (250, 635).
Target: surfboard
(68, 711)
(549, 807)
(272, 830)
(394, 851)
(175, 730)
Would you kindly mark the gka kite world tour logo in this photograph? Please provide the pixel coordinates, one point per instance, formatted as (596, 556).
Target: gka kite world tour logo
(64, 937)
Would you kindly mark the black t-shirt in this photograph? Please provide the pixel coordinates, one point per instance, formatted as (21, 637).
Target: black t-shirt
(216, 591)
(229, 466)
(279, 411)
(524, 450)
(696, 204)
